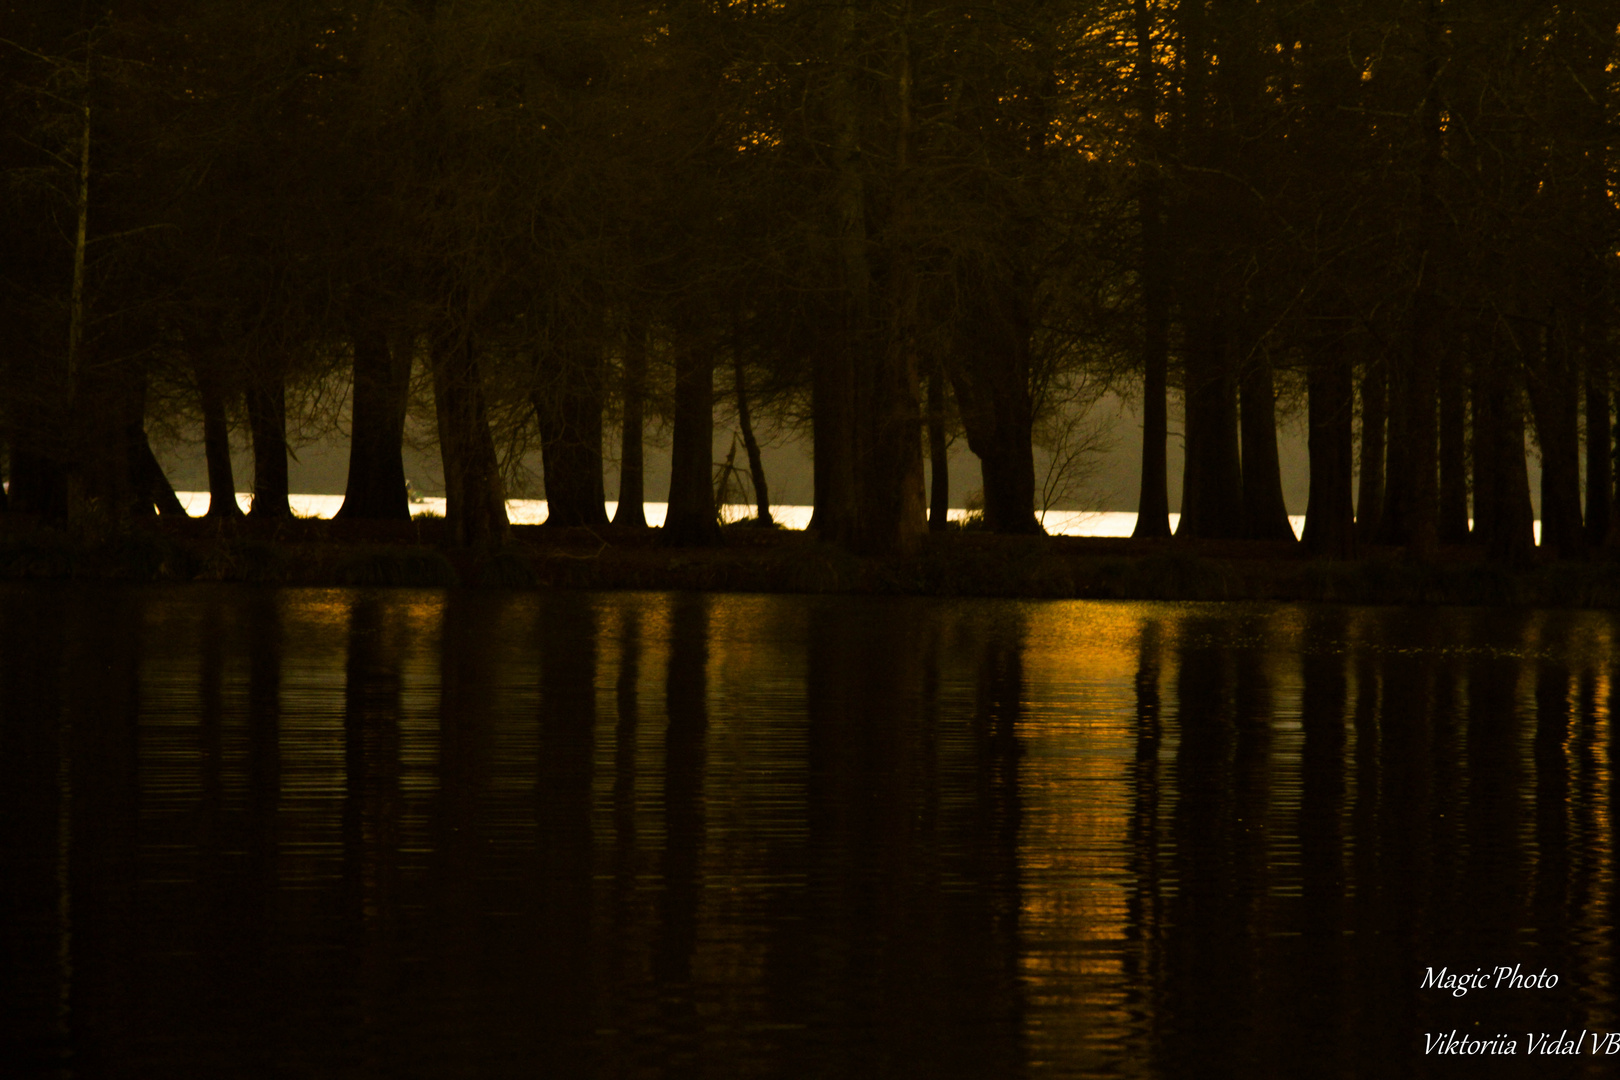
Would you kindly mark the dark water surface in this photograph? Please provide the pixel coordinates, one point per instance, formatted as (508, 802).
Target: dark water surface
(343, 833)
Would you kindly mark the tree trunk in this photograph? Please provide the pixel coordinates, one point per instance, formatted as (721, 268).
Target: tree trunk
(216, 444)
(1422, 508)
(1555, 402)
(1212, 477)
(692, 518)
(475, 498)
(106, 410)
(1374, 413)
(1485, 451)
(756, 465)
(569, 410)
(1393, 526)
(38, 483)
(939, 461)
(832, 396)
(990, 374)
(631, 511)
(381, 388)
(1423, 537)
(1502, 507)
(151, 484)
(1153, 499)
(1453, 525)
(267, 418)
(1330, 526)
(1599, 454)
(1265, 514)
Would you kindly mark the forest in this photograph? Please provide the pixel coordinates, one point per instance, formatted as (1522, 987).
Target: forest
(553, 224)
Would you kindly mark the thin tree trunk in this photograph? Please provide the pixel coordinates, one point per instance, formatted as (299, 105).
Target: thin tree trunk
(216, 444)
(631, 511)
(1153, 499)
(1555, 403)
(756, 465)
(1393, 526)
(381, 393)
(1265, 513)
(1374, 413)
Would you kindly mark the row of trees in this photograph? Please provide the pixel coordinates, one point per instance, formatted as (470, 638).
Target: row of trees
(879, 220)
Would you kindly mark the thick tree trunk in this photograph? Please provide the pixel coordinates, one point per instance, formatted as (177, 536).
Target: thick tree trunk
(834, 393)
(990, 374)
(569, 410)
(1599, 454)
(217, 444)
(1212, 477)
(1330, 526)
(892, 512)
(1453, 526)
(1555, 402)
(692, 519)
(151, 485)
(631, 511)
(1502, 512)
(832, 397)
(381, 389)
(1485, 459)
(38, 483)
(107, 409)
(939, 462)
(1374, 413)
(1423, 536)
(1265, 514)
(475, 497)
(267, 419)
(756, 464)
(1423, 505)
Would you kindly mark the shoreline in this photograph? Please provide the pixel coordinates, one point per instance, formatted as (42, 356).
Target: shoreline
(325, 553)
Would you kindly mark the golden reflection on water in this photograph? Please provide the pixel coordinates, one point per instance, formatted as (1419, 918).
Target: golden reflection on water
(639, 833)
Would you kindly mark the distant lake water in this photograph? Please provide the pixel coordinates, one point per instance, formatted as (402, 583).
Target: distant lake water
(404, 833)
(533, 512)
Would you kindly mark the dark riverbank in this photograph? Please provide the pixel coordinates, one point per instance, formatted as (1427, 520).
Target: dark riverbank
(340, 553)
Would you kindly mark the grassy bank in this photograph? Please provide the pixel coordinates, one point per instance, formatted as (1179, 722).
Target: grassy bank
(332, 553)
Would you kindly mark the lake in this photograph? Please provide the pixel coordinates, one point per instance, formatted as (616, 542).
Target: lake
(453, 833)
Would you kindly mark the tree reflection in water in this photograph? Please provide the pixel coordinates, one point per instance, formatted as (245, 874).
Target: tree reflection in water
(427, 833)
